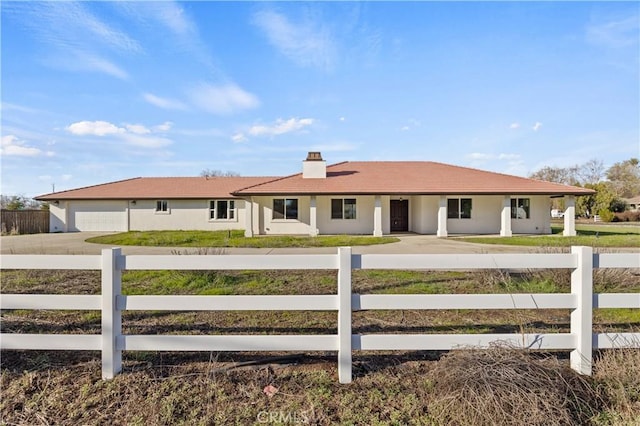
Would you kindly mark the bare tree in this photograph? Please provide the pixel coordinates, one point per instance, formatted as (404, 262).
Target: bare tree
(624, 177)
(207, 173)
(591, 172)
(564, 175)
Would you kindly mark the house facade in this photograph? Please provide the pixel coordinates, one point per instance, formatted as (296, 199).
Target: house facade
(368, 198)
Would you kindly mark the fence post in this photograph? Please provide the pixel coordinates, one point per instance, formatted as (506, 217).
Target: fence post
(111, 315)
(582, 315)
(344, 314)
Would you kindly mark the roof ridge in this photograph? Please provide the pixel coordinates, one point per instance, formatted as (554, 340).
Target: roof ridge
(87, 187)
(262, 183)
(276, 179)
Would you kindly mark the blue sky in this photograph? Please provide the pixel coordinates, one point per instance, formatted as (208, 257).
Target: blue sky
(100, 91)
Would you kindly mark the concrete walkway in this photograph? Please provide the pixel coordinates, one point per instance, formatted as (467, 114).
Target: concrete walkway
(74, 243)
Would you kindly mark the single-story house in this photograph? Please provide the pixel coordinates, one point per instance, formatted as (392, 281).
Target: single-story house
(633, 203)
(352, 197)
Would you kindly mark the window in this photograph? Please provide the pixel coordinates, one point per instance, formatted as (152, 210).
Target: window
(222, 210)
(343, 208)
(285, 208)
(520, 208)
(162, 206)
(459, 208)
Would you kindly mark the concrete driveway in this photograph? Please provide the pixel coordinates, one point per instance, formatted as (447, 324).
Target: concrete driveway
(74, 243)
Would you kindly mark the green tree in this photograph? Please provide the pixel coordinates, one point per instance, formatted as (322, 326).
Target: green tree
(588, 205)
(14, 202)
(618, 205)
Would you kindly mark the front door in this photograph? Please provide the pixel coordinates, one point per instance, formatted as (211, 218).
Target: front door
(399, 212)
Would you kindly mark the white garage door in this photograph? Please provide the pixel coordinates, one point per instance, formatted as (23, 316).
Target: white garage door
(98, 216)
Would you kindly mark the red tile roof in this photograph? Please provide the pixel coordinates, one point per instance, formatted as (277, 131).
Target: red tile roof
(159, 188)
(354, 178)
(409, 177)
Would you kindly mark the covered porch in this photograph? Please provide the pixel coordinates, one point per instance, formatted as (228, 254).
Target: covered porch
(383, 214)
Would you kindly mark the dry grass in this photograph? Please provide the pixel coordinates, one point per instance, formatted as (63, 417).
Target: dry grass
(499, 386)
(510, 387)
(618, 372)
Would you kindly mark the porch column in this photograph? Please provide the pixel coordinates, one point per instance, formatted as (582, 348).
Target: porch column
(569, 216)
(248, 216)
(442, 217)
(505, 217)
(313, 221)
(377, 217)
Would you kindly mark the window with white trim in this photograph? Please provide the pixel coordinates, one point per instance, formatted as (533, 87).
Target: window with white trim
(343, 208)
(520, 208)
(222, 210)
(285, 208)
(162, 206)
(459, 208)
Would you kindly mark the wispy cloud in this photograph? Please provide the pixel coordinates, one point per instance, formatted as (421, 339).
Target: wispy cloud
(239, 137)
(411, 123)
(183, 31)
(164, 127)
(503, 162)
(11, 145)
(138, 129)
(479, 156)
(222, 99)
(6, 106)
(615, 33)
(279, 127)
(133, 134)
(537, 126)
(146, 141)
(514, 126)
(77, 39)
(335, 147)
(307, 42)
(85, 61)
(164, 103)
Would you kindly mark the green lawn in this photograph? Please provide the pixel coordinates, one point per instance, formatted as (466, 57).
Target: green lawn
(234, 238)
(588, 235)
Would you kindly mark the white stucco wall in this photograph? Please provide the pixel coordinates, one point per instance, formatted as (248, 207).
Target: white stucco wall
(182, 215)
(268, 225)
(423, 214)
(120, 215)
(485, 216)
(539, 221)
(362, 224)
(57, 217)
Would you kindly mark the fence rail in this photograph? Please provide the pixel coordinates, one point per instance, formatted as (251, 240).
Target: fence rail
(24, 221)
(581, 301)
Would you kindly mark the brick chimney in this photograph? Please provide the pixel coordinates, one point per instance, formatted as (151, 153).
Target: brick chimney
(314, 167)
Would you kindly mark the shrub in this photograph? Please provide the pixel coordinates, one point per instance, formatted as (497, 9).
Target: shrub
(508, 386)
(618, 205)
(606, 215)
(628, 216)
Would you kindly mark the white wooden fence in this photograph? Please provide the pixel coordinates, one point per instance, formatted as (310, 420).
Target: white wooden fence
(581, 340)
